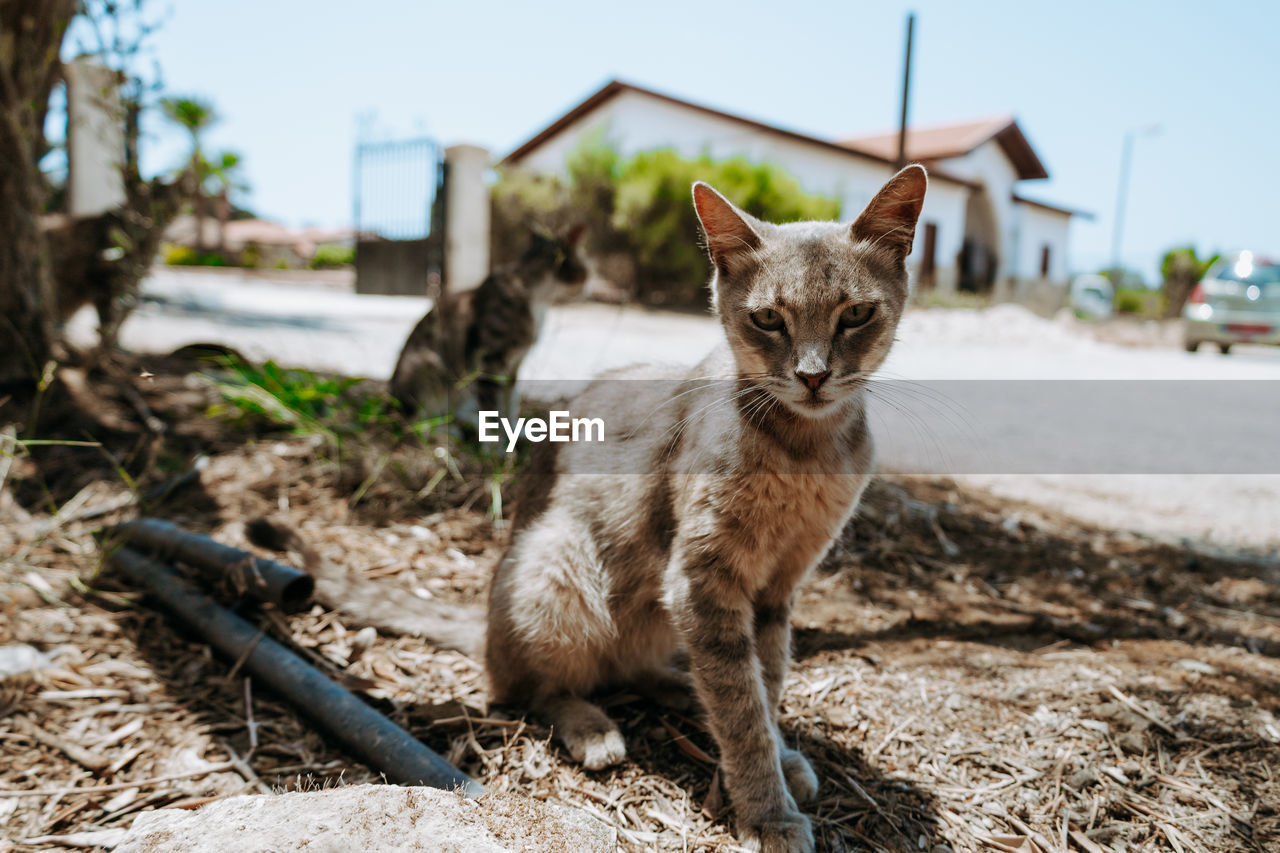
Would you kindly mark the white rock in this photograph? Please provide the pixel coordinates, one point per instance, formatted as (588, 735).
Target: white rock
(424, 534)
(21, 658)
(1192, 665)
(107, 838)
(385, 818)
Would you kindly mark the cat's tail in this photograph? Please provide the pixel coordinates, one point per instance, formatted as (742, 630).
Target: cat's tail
(387, 608)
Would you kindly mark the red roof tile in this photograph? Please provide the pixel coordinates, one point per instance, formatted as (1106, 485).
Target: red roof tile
(932, 143)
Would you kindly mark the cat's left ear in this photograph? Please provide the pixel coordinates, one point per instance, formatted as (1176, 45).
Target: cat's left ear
(730, 238)
(889, 220)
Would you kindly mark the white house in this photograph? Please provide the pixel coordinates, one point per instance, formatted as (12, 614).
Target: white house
(977, 232)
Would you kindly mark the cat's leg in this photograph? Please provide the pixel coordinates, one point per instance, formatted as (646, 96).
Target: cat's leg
(591, 737)
(718, 627)
(667, 686)
(550, 634)
(511, 397)
(773, 644)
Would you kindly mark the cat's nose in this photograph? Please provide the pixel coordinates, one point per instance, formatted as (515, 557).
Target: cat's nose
(813, 378)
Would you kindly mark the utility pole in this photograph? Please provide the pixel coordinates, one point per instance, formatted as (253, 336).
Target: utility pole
(906, 92)
(1122, 192)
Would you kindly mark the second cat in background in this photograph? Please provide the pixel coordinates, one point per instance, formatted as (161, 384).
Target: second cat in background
(464, 356)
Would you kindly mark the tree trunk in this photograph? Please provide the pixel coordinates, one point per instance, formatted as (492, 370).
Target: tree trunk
(199, 203)
(30, 36)
(224, 214)
(1179, 281)
(200, 212)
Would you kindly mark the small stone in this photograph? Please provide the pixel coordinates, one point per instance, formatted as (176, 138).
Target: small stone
(1082, 778)
(423, 534)
(21, 659)
(1191, 665)
(1132, 742)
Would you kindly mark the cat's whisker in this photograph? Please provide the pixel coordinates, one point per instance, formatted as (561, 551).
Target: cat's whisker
(955, 414)
(674, 397)
(923, 424)
(682, 426)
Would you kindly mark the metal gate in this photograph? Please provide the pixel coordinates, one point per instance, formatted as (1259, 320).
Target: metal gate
(399, 217)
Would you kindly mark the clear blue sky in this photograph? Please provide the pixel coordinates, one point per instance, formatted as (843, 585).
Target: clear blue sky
(290, 79)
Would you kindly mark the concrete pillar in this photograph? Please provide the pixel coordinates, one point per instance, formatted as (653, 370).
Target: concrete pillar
(944, 280)
(95, 140)
(466, 205)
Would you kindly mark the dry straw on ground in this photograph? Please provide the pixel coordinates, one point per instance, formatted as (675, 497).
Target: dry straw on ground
(969, 676)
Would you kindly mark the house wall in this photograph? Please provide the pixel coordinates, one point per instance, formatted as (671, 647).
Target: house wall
(1039, 228)
(1023, 229)
(633, 122)
(988, 164)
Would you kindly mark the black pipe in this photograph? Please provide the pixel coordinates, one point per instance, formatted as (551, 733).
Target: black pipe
(260, 578)
(161, 491)
(379, 742)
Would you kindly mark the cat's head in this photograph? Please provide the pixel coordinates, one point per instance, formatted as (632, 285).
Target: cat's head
(810, 308)
(559, 271)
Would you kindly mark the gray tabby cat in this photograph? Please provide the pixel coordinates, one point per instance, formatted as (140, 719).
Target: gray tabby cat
(723, 495)
(464, 356)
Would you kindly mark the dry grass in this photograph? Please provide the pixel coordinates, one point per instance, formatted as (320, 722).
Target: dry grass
(969, 676)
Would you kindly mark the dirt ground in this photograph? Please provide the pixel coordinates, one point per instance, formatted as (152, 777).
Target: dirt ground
(970, 674)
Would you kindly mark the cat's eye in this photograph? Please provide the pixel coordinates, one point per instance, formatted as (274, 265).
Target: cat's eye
(767, 319)
(856, 315)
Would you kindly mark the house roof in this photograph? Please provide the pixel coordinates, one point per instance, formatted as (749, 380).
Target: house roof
(616, 87)
(932, 143)
(242, 232)
(1052, 208)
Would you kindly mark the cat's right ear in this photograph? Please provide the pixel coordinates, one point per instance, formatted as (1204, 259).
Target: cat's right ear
(731, 240)
(889, 220)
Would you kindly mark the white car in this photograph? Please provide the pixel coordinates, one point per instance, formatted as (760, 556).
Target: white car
(1237, 302)
(1092, 296)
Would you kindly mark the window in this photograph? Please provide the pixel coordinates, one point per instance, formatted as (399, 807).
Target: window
(927, 252)
(1046, 256)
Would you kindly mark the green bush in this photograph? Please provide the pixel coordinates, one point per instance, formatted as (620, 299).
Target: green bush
(655, 209)
(185, 256)
(1140, 301)
(641, 207)
(332, 257)
(521, 201)
(251, 256)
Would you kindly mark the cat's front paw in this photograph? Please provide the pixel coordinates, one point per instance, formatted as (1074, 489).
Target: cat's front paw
(790, 832)
(800, 777)
(669, 688)
(598, 750)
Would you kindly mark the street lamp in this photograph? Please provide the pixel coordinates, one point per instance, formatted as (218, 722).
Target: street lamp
(1126, 156)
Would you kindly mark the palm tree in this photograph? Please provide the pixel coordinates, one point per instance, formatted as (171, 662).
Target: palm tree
(224, 175)
(195, 115)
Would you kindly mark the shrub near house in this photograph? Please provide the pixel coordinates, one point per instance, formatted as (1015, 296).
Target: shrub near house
(642, 228)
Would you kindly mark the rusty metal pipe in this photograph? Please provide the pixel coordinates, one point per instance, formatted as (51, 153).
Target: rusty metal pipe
(260, 578)
(366, 733)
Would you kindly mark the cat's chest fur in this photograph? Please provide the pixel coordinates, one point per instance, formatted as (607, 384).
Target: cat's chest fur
(774, 521)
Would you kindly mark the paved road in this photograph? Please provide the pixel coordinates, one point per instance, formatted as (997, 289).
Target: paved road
(942, 412)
